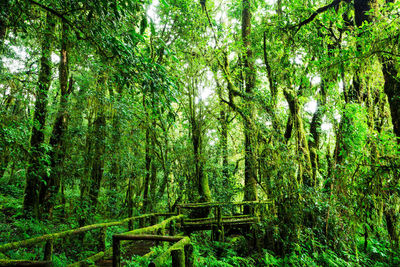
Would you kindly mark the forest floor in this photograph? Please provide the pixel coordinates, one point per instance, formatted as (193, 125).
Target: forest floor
(136, 248)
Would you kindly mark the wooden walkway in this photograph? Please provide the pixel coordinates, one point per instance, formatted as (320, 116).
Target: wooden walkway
(221, 217)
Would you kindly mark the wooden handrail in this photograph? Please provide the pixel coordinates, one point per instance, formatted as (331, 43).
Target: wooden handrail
(145, 230)
(155, 227)
(165, 255)
(119, 237)
(43, 238)
(4, 262)
(218, 204)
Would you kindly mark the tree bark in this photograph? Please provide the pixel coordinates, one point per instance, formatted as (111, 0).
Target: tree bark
(4, 14)
(49, 190)
(98, 160)
(304, 158)
(37, 162)
(250, 173)
(392, 90)
(146, 200)
(224, 145)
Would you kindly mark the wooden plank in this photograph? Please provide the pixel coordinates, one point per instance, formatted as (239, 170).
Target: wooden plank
(148, 237)
(208, 225)
(226, 221)
(216, 204)
(223, 218)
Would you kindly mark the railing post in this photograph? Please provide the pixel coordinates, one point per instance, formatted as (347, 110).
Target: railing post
(178, 258)
(220, 227)
(172, 228)
(153, 219)
(188, 248)
(130, 225)
(160, 232)
(102, 239)
(214, 226)
(116, 252)
(48, 251)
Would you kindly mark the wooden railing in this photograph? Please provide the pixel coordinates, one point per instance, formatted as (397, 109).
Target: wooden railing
(177, 251)
(256, 210)
(51, 238)
(181, 242)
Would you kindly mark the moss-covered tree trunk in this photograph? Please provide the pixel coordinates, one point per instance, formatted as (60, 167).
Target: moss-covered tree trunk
(5, 6)
(197, 141)
(316, 121)
(146, 198)
(200, 181)
(49, 190)
(392, 90)
(99, 126)
(165, 164)
(37, 162)
(115, 150)
(303, 152)
(224, 144)
(250, 143)
(94, 154)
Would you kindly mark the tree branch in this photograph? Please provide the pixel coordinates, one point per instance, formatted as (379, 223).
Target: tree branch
(72, 25)
(316, 13)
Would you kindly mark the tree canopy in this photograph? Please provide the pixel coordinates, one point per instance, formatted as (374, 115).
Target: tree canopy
(112, 109)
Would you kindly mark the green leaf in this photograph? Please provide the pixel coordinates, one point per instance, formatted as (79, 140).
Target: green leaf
(165, 4)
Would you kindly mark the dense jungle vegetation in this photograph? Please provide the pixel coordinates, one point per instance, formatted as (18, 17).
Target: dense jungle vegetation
(111, 109)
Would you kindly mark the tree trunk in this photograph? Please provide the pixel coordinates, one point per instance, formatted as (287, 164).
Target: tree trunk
(201, 179)
(316, 122)
(392, 90)
(37, 166)
(147, 174)
(303, 152)
(99, 126)
(50, 189)
(224, 145)
(153, 178)
(250, 173)
(115, 170)
(4, 13)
